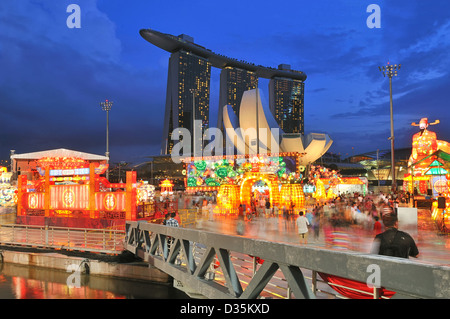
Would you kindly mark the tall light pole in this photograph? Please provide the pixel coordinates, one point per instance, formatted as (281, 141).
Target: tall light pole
(390, 71)
(257, 122)
(106, 106)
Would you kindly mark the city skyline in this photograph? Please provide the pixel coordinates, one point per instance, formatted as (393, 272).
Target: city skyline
(54, 77)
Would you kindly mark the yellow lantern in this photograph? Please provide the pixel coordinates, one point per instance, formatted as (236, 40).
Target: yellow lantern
(228, 197)
(320, 192)
(292, 194)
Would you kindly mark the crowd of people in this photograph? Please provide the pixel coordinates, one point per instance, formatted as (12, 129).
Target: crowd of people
(353, 215)
(337, 220)
(365, 212)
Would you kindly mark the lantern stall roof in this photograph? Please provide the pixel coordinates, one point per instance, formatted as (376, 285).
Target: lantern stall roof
(61, 152)
(166, 183)
(438, 154)
(436, 168)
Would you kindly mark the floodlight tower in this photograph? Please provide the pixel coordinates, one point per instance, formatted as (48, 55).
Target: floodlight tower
(106, 106)
(390, 71)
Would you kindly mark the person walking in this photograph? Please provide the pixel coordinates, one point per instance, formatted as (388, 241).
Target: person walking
(393, 242)
(268, 210)
(302, 228)
(316, 224)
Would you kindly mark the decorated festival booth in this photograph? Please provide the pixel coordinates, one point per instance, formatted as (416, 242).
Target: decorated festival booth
(8, 194)
(325, 184)
(70, 191)
(429, 172)
(342, 185)
(243, 179)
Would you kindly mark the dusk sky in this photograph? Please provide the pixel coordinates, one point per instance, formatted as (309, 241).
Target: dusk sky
(53, 78)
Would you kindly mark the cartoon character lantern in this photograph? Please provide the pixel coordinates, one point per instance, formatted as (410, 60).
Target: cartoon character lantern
(424, 142)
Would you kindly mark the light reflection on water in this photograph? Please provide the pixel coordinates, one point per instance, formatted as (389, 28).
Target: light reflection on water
(23, 282)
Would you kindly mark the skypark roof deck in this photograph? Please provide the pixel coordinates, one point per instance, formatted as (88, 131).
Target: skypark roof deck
(173, 43)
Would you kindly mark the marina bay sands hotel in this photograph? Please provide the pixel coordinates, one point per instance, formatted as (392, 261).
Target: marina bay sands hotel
(188, 86)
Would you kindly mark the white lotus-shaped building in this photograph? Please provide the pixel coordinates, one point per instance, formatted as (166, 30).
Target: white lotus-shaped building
(243, 135)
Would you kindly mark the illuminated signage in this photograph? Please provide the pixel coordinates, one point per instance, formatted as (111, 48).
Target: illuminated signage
(68, 172)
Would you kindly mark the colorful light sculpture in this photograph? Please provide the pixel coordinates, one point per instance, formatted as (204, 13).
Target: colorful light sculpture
(61, 163)
(8, 194)
(320, 192)
(166, 186)
(426, 169)
(292, 194)
(145, 192)
(249, 179)
(228, 197)
(76, 194)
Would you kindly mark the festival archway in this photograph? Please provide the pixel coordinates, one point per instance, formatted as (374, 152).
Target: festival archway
(250, 179)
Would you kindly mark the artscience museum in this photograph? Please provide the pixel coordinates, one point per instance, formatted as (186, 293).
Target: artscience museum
(255, 131)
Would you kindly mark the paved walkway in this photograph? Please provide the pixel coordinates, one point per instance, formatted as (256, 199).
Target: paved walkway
(433, 248)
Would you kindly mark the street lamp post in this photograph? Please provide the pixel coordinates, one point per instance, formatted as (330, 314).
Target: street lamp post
(390, 71)
(106, 106)
(257, 122)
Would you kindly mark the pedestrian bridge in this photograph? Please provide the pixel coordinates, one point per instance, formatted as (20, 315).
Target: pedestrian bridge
(218, 266)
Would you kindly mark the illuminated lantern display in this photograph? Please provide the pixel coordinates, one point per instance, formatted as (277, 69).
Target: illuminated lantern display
(292, 194)
(8, 194)
(424, 143)
(145, 192)
(69, 190)
(330, 193)
(228, 197)
(423, 162)
(423, 187)
(166, 186)
(249, 179)
(219, 173)
(328, 184)
(61, 163)
(320, 192)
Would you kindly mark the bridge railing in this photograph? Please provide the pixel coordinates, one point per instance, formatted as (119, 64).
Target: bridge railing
(83, 239)
(192, 257)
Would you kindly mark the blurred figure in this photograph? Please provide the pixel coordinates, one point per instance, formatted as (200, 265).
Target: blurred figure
(240, 226)
(302, 227)
(210, 207)
(377, 226)
(268, 210)
(316, 224)
(393, 242)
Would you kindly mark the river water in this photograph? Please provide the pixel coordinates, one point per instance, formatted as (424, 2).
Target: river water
(24, 282)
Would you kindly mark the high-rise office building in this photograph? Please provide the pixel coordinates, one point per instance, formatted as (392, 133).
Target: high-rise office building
(188, 88)
(287, 103)
(233, 83)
